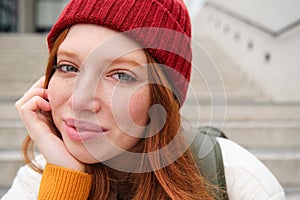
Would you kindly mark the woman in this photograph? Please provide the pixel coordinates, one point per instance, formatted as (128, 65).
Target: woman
(106, 117)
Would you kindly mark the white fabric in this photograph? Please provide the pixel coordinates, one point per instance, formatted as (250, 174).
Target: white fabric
(27, 182)
(246, 177)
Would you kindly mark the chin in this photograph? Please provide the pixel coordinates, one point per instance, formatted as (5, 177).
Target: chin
(86, 160)
(91, 157)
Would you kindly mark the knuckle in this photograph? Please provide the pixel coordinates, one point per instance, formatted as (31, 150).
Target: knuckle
(22, 109)
(17, 104)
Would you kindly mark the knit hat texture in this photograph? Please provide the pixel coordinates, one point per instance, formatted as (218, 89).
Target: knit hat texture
(172, 49)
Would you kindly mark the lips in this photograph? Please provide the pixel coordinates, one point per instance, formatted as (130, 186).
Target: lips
(83, 131)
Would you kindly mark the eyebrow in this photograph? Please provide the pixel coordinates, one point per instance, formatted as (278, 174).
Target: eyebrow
(67, 53)
(132, 62)
(119, 60)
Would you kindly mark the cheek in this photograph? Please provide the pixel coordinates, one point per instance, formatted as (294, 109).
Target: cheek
(58, 93)
(139, 105)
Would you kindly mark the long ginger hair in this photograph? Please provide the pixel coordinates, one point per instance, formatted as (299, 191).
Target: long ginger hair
(179, 180)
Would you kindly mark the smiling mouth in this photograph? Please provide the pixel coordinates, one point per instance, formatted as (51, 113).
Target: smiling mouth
(83, 131)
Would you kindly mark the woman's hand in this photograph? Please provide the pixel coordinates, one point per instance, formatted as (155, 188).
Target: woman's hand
(33, 108)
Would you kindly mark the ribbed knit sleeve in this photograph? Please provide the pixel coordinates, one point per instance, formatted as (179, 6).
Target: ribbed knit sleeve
(64, 184)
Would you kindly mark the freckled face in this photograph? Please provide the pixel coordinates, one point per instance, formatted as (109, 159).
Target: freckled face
(100, 100)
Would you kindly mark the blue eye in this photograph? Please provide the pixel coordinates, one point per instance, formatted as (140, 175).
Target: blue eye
(66, 68)
(124, 77)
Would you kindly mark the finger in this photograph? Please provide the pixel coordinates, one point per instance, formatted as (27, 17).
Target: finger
(37, 103)
(45, 94)
(36, 89)
(32, 110)
(33, 117)
(30, 94)
(43, 104)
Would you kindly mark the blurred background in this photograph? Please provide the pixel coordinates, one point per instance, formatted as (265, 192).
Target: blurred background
(249, 63)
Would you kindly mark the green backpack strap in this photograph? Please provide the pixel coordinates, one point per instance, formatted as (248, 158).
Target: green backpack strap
(208, 155)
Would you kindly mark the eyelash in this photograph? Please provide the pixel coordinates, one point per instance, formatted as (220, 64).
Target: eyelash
(65, 68)
(69, 68)
(120, 74)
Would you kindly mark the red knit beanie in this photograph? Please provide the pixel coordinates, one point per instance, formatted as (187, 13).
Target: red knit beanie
(172, 49)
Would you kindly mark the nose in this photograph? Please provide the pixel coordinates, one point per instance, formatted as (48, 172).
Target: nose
(85, 95)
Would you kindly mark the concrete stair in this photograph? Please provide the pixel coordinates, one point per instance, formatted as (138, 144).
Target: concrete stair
(270, 130)
(22, 62)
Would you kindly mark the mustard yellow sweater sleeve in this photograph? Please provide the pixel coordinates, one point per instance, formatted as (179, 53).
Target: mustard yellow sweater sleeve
(64, 184)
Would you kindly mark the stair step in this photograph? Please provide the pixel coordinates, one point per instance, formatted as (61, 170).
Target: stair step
(267, 138)
(8, 111)
(21, 69)
(25, 40)
(284, 165)
(14, 90)
(22, 61)
(292, 193)
(265, 134)
(242, 112)
(203, 112)
(232, 91)
(10, 162)
(3, 191)
(283, 134)
(12, 134)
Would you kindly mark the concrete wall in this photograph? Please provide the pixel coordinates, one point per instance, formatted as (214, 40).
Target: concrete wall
(47, 12)
(25, 16)
(271, 14)
(38, 15)
(272, 61)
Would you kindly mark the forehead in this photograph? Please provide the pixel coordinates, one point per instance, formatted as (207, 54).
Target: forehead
(84, 39)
